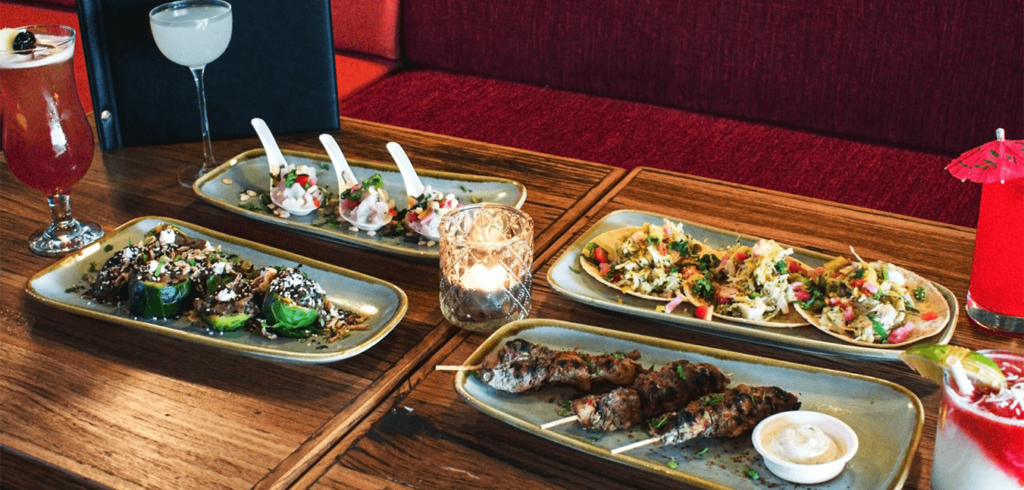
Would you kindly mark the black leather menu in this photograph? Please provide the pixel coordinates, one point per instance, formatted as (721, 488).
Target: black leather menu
(279, 66)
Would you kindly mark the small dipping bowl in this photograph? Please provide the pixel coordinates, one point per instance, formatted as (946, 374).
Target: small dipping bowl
(807, 474)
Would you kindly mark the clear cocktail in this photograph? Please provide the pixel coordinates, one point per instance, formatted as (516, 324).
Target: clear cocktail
(193, 33)
(980, 438)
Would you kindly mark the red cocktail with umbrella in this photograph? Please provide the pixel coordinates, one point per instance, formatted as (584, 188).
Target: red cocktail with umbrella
(996, 296)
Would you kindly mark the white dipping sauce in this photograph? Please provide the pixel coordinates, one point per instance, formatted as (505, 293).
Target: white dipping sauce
(802, 444)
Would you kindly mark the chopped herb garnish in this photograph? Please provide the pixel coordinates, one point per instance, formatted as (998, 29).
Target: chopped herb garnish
(781, 266)
(679, 369)
(703, 288)
(672, 464)
(681, 247)
(702, 452)
(324, 166)
(475, 200)
(464, 189)
(618, 355)
(74, 289)
(879, 328)
(653, 239)
(108, 248)
(919, 293)
(661, 421)
(752, 474)
(885, 274)
(92, 266)
(712, 400)
(566, 408)
(755, 295)
(859, 274)
(590, 246)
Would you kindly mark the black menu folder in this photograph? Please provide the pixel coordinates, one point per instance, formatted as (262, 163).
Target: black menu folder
(279, 66)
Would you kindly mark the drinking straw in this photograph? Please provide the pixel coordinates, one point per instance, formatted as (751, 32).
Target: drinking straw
(963, 385)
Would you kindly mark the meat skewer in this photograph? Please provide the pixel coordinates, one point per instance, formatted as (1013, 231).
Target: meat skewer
(654, 392)
(729, 414)
(520, 366)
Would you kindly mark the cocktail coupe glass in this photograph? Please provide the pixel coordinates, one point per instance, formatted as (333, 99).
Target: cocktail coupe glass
(193, 33)
(46, 137)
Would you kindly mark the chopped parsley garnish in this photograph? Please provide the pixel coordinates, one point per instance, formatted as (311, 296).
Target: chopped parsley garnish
(74, 289)
(590, 246)
(708, 262)
(679, 369)
(919, 293)
(618, 355)
(108, 248)
(324, 166)
(475, 200)
(92, 266)
(702, 452)
(859, 274)
(672, 464)
(752, 474)
(653, 240)
(464, 189)
(565, 408)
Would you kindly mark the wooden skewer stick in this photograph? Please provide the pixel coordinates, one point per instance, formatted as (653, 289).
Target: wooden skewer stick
(556, 423)
(441, 367)
(630, 447)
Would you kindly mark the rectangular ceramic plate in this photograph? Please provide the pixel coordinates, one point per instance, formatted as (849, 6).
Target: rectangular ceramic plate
(382, 301)
(887, 417)
(581, 287)
(249, 171)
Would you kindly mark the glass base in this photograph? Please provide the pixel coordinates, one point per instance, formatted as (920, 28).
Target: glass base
(997, 323)
(54, 241)
(189, 175)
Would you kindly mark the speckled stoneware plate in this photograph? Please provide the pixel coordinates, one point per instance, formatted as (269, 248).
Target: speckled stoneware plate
(223, 186)
(887, 417)
(382, 301)
(566, 277)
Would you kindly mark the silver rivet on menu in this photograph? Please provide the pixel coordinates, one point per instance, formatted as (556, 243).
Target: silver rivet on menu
(105, 115)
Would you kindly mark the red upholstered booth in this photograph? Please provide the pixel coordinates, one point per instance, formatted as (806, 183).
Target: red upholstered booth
(854, 101)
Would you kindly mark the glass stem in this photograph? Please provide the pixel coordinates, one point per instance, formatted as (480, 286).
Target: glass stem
(208, 162)
(60, 213)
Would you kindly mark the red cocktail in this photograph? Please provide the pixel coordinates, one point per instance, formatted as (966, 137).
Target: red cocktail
(980, 438)
(46, 137)
(996, 296)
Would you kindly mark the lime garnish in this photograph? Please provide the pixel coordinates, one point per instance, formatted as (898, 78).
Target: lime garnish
(930, 362)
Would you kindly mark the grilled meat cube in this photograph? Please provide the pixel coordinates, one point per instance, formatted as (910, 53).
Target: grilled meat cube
(729, 414)
(654, 392)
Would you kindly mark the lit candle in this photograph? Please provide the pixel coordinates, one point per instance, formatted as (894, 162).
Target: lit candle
(485, 279)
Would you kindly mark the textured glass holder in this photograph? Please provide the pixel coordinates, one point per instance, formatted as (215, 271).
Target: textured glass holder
(486, 254)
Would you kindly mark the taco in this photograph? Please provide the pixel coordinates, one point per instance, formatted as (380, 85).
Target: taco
(649, 261)
(756, 285)
(875, 304)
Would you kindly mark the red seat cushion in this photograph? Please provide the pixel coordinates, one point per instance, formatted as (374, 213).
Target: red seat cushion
(628, 134)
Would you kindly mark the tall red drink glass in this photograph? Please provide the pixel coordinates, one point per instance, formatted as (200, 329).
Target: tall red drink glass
(46, 137)
(996, 296)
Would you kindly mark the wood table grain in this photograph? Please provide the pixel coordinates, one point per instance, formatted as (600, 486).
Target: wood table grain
(425, 436)
(84, 403)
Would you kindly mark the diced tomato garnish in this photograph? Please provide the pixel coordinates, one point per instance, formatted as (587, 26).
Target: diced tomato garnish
(931, 315)
(794, 267)
(858, 282)
(392, 212)
(316, 202)
(740, 257)
(703, 312)
(303, 180)
(802, 295)
(689, 271)
(600, 255)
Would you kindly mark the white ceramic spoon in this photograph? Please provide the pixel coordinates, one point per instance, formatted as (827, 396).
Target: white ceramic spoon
(413, 186)
(276, 161)
(346, 179)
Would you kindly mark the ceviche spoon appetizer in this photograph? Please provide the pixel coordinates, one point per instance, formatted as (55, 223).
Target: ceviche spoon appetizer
(292, 188)
(426, 206)
(365, 205)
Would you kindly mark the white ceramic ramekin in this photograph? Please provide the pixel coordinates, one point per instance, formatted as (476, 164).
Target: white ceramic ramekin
(841, 433)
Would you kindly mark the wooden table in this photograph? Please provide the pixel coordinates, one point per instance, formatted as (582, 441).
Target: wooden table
(425, 436)
(87, 403)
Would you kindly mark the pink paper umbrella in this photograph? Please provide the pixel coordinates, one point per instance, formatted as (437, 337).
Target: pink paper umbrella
(996, 161)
